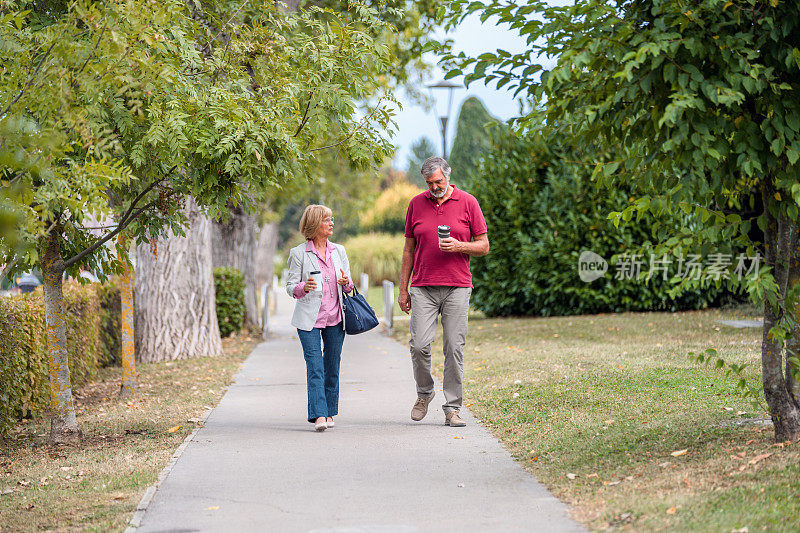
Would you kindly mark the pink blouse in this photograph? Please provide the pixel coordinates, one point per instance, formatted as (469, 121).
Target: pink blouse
(330, 313)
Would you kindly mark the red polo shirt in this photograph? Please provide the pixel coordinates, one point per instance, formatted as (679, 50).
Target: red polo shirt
(431, 265)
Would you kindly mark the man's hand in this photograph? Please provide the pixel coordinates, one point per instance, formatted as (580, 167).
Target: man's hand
(405, 302)
(449, 245)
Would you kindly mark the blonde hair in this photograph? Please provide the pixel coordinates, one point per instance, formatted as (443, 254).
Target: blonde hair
(312, 219)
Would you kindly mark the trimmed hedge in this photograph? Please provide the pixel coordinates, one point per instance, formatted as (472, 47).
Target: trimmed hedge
(542, 210)
(229, 287)
(24, 376)
(111, 313)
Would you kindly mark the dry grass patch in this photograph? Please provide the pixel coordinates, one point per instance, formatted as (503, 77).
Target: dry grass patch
(595, 406)
(97, 485)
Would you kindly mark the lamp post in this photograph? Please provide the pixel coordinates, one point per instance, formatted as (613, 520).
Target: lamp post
(449, 86)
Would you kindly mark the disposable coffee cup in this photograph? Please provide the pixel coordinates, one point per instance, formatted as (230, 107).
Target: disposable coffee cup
(316, 275)
(444, 232)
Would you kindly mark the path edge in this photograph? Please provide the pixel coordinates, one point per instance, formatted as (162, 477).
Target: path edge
(150, 492)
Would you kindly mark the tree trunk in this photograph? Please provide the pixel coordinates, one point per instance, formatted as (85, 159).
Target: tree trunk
(793, 342)
(63, 424)
(777, 252)
(176, 315)
(265, 254)
(128, 386)
(234, 245)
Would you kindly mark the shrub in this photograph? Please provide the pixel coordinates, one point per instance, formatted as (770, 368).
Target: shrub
(111, 316)
(542, 210)
(379, 255)
(24, 376)
(388, 213)
(229, 288)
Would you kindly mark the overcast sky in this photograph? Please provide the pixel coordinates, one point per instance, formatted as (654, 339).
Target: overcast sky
(414, 121)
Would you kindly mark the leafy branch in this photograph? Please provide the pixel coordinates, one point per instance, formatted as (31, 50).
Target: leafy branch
(353, 131)
(131, 214)
(748, 390)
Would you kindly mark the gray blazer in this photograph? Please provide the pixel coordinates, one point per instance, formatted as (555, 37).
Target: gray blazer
(301, 262)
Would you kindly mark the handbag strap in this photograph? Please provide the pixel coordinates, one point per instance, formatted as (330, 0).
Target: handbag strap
(346, 295)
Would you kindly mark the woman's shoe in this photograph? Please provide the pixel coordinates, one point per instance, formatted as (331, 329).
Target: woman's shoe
(320, 424)
(329, 422)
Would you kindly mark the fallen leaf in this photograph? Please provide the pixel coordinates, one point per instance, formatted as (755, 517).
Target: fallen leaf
(591, 475)
(174, 429)
(609, 421)
(678, 453)
(611, 483)
(672, 510)
(212, 508)
(118, 496)
(664, 464)
(758, 458)
(571, 476)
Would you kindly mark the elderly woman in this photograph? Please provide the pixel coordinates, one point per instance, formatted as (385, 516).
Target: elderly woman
(319, 272)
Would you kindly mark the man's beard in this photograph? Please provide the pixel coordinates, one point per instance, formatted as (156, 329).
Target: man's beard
(439, 194)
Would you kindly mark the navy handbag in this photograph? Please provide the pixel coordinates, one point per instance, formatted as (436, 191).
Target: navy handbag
(358, 315)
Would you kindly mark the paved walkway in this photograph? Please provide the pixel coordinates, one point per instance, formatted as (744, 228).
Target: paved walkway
(257, 465)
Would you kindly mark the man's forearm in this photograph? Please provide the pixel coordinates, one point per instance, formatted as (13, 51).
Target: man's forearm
(473, 248)
(405, 270)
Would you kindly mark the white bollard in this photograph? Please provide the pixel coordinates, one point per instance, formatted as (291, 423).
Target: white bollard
(265, 312)
(388, 303)
(263, 301)
(364, 283)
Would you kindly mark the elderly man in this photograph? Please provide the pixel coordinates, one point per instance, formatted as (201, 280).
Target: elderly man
(441, 282)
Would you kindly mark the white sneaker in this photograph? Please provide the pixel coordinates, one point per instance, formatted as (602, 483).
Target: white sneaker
(329, 422)
(321, 426)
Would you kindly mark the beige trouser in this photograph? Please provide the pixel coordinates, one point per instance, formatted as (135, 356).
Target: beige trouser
(427, 303)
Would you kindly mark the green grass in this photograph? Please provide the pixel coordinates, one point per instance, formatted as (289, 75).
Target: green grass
(609, 398)
(97, 485)
(375, 300)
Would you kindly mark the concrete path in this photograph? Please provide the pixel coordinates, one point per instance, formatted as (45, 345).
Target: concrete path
(257, 465)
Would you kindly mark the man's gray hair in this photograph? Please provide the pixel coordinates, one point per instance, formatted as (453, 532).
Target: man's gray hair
(431, 164)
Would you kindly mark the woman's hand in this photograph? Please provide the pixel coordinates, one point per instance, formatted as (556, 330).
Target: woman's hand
(344, 280)
(310, 285)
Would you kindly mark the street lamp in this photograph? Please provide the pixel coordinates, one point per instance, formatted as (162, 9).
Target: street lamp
(449, 86)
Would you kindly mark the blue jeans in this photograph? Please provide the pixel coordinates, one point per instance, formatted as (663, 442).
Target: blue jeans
(322, 369)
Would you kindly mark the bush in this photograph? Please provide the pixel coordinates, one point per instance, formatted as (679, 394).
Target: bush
(111, 317)
(542, 210)
(229, 288)
(379, 255)
(24, 376)
(388, 213)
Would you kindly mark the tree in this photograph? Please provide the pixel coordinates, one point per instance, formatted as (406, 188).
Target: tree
(388, 211)
(700, 105)
(471, 142)
(150, 107)
(421, 150)
(173, 267)
(233, 244)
